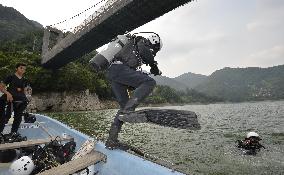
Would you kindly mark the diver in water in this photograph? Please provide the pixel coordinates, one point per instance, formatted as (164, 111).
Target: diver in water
(251, 144)
(124, 72)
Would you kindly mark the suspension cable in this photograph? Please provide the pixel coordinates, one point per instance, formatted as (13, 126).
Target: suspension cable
(77, 14)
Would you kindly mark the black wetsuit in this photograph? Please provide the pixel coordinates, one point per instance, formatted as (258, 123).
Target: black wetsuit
(250, 146)
(16, 87)
(123, 74)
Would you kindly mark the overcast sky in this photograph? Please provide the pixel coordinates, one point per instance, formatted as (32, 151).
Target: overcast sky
(200, 37)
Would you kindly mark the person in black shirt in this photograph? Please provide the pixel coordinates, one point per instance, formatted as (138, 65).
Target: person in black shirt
(14, 97)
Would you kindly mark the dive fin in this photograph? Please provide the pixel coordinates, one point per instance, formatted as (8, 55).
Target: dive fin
(164, 117)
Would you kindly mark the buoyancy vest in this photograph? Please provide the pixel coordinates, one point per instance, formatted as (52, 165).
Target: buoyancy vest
(132, 51)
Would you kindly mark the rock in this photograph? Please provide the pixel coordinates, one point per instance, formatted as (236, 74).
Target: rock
(66, 101)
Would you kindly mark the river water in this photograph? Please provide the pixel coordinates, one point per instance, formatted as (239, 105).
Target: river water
(211, 150)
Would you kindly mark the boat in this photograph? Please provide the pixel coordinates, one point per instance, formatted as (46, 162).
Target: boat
(110, 162)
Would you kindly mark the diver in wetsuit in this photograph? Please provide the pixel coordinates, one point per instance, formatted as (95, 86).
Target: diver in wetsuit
(123, 73)
(250, 144)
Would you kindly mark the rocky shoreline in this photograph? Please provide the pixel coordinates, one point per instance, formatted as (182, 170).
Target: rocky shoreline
(68, 101)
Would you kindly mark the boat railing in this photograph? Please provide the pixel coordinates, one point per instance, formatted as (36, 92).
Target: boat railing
(33, 142)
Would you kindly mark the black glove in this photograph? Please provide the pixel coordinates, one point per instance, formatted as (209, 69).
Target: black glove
(155, 70)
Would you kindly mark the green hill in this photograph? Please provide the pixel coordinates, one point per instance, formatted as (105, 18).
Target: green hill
(14, 25)
(171, 82)
(242, 84)
(191, 80)
(182, 82)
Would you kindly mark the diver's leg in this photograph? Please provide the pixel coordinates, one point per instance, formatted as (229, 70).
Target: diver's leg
(8, 112)
(137, 79)
(2, 115)
(115, 128)
(121, 94)
(19, 108)
(144, 86)
(140, 93)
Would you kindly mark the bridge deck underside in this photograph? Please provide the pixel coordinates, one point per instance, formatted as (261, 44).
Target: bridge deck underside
(134, 14)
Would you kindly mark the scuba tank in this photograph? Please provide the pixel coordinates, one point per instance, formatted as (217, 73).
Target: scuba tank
(103, 59)
(124, 48)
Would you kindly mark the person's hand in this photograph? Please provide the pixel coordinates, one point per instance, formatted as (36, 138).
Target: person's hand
(158, 73)
(155, 70)
(2, 86)
(9, 97)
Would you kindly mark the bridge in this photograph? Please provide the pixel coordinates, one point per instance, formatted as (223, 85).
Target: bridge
(115, 17)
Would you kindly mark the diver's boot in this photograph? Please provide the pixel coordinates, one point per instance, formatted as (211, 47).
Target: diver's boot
(15, 137)
(112, 141)
(131, 104)
(129, 115)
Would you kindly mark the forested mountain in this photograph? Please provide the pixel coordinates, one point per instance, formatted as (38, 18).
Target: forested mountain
(14, 25)
(233, 84)
(191, 80)
(242, 84)
(182, 82)
(171, 82)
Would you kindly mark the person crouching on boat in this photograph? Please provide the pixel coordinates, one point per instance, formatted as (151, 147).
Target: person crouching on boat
(13, 88)
(251, 144)
(125, 72)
